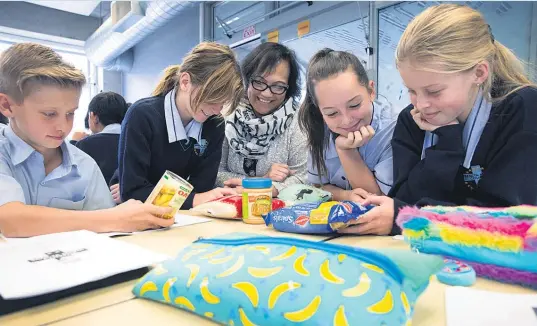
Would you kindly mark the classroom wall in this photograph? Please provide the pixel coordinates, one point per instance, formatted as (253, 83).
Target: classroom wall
(511, 24)
(39, 19)
(165, 47)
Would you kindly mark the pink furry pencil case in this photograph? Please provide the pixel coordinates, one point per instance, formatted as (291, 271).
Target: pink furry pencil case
(500, 243)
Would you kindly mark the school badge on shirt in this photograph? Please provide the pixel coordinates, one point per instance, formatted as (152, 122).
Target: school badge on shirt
(199, 148)
(472, 176)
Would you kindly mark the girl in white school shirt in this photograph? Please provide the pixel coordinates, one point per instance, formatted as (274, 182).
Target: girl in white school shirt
(349, 132)
(470, 135)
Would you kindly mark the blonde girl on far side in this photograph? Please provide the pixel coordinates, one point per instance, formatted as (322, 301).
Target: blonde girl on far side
(470, 131)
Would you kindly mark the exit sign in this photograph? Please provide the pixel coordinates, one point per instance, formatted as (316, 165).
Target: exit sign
(248, 32)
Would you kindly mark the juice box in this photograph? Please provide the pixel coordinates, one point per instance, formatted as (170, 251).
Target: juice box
(170, 191)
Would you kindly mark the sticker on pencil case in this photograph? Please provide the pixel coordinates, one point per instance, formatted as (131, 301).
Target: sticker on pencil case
(170, 191)
(456, 273)
(315, 218)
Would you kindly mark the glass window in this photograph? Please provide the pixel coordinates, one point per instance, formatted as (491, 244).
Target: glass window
(243, 50)
(233, 14)
(81, 62)
(346, 37)
(510, 23)
(4, 46)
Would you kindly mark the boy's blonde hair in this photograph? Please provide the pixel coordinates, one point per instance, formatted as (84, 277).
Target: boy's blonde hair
(457, 38)
(214, 69)
(26, 65)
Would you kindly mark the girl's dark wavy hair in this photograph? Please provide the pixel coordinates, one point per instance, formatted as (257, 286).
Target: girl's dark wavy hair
(324, 64)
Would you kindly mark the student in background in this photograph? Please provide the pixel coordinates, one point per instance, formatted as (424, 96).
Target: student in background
(46, 184)
(262, 135)
(469, 136)
(105, 114)
(349, 132)
(179, 129)
(79, 135)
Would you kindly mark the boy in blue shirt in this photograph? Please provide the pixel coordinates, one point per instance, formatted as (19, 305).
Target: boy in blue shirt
(46, 184)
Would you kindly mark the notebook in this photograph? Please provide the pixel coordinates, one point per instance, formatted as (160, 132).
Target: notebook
(55, 262)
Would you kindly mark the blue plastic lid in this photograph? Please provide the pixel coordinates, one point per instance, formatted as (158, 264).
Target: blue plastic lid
(256, 183)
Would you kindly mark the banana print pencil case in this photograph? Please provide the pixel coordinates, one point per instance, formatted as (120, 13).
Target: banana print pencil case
(257, 280)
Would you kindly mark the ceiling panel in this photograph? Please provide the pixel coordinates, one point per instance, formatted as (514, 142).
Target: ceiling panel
(77, 7)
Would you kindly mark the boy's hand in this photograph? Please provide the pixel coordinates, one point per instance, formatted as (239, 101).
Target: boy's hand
(133, 215)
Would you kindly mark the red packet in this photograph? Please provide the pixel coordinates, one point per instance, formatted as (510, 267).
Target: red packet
(229, 207)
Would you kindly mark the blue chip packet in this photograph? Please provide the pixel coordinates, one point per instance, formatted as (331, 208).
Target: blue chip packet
(315, 218)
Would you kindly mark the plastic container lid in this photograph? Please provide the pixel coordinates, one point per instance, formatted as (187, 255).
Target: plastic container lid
(256, 183)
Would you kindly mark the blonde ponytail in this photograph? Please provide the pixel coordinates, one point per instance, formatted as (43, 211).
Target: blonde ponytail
(168, 81)
(214, 72)
(509, 73)
(456, 38)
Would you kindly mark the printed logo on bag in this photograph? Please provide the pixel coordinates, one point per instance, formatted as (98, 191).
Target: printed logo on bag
(302, 192)
(58, 255)
(302, 220)
(348, 207)
(199, 148)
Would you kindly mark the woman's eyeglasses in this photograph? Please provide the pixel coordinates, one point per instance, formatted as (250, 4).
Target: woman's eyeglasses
(274, 89)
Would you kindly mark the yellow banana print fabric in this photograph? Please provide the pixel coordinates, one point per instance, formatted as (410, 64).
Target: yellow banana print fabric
(279, 284)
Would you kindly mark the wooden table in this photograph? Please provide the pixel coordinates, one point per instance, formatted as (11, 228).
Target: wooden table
(168, 242)
(116, 305)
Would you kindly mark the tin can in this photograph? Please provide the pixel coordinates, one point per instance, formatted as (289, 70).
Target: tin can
(256, 199)
(170, 191)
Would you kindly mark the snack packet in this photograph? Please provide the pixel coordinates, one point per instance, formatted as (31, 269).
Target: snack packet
(315, 218)
(229, 207)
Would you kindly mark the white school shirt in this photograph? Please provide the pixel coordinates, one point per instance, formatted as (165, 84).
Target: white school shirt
(77, 184)
(174, 125)
(377, 154)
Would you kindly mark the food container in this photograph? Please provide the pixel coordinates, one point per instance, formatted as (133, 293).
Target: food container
(256, 199)
(170, 191)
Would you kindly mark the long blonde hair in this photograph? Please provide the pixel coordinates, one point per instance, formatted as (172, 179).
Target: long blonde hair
(457, 37)
(214, 69)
